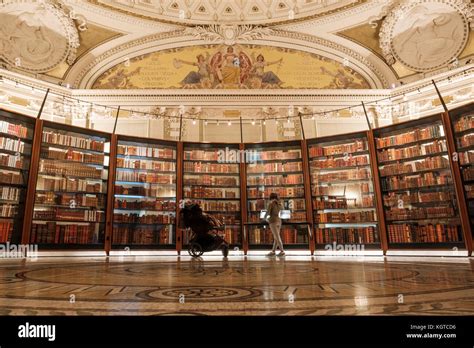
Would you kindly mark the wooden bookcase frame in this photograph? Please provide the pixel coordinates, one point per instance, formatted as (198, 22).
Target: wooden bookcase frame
(455, 174)
(373, 169)
(31, 191)
(116, 138)
(306, 188)
(203, 146)
(449, 119)
(32, 121)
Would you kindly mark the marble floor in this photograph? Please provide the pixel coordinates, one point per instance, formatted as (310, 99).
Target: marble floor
(253, 285)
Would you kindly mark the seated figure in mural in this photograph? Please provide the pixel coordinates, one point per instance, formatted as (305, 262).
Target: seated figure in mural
(262, 78)
(231, 70)
(200, 78)
(227, 68)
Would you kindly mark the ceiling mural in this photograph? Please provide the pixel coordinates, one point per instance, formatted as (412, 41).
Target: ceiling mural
(230, 67)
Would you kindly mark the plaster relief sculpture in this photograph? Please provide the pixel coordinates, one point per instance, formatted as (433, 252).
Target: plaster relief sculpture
(425, 35)
(36, 36)
(228, 34)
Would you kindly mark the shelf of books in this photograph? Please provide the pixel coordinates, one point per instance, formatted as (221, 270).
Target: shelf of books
(343, 194)
(145, 194)
(419, 198)
(211, 177)
(276, 168)
(16, 133)
(463, 127)
(71, 188)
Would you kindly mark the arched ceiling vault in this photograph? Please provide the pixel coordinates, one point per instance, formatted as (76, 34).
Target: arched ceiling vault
(284, 34)
(87, 40)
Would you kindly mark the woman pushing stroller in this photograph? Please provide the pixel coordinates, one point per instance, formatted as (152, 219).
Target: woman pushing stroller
(205, 230)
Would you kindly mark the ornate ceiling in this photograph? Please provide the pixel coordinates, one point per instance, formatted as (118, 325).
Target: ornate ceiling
(227, 11)
(210, 44)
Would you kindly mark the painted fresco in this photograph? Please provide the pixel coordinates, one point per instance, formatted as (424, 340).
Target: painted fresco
(230, 67)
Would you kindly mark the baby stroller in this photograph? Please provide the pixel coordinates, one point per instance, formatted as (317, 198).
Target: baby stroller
(204, 229)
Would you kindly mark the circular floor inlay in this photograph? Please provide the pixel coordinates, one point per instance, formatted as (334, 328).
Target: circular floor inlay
(200, 294)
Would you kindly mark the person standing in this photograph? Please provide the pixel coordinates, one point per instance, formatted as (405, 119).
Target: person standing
(274, 221)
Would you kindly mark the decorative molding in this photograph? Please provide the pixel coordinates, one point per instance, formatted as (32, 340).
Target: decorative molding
(383, 13)
(40, 35)
(335, 17)
(189, 13)
(228, 34)
(410, 16)
(127, 23)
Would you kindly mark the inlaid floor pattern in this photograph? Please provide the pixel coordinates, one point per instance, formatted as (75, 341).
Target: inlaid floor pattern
(238, 286)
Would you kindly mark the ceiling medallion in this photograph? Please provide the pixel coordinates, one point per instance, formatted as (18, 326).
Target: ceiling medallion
(228, 34)
(37, 36)
(426, 34)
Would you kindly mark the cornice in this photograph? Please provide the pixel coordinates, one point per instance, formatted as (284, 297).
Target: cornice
(246, 100)
(242, 98)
